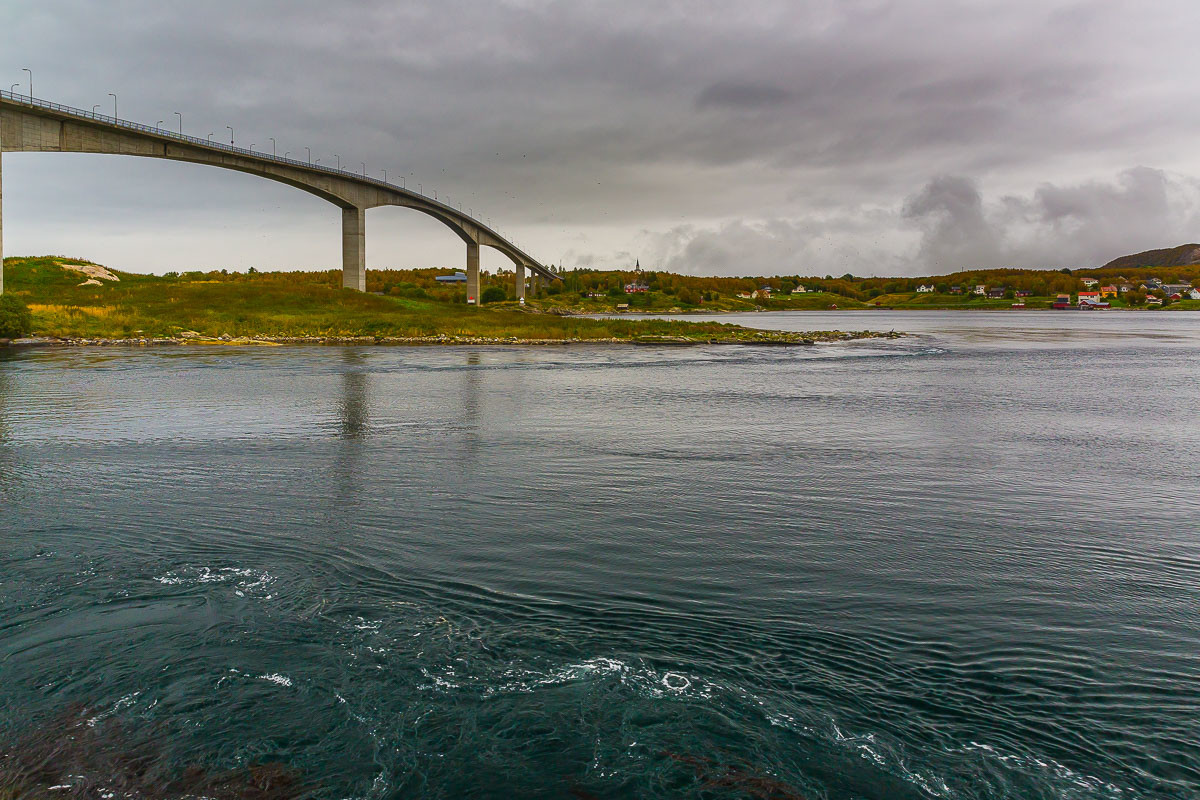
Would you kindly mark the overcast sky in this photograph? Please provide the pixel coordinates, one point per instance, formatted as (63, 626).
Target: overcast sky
(748, 137)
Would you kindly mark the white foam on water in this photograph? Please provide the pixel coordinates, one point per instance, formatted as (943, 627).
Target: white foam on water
(276, 678)
(243, 580)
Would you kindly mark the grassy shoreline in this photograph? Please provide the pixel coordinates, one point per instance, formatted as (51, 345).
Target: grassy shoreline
(303, 308)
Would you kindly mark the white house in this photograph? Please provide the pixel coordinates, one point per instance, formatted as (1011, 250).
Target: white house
(980, 289)
(925, 288)
(1194, 294)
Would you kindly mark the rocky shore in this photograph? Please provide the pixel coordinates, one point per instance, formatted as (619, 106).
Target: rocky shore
(749, 337)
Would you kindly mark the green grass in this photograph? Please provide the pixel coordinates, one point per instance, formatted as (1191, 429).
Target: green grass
(661, 302)
(291, 305)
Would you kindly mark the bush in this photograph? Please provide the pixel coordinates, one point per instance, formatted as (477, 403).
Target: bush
(493, 294)
(15, 318)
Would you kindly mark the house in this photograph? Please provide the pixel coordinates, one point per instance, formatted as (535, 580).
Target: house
(1152, 283)
(980, 290)
(1194, 294)
(745, 295)
(995, 293)
(1089, 297)
(1177, 296)
(925, 288)
(1024, 293)
(1108, 291)
(1154, 301)
(799, 290)
(1089, 282)
(1125, 287)
(1173, 288)
(956, 289)
(458, 277)
(762, 294)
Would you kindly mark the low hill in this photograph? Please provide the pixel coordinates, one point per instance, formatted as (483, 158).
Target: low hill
(76, 299)
(1180, 256)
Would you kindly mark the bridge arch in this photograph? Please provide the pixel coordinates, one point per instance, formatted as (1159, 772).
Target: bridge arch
(32, 125)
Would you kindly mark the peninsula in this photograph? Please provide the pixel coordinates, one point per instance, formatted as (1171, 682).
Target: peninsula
(73, 301)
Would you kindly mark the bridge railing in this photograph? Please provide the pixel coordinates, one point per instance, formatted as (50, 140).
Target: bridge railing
(209, 143)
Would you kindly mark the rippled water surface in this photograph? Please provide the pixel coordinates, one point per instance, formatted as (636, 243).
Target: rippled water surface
(960, 565)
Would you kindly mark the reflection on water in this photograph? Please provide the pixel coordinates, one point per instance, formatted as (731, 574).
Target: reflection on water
(954, 566)
(354, 404)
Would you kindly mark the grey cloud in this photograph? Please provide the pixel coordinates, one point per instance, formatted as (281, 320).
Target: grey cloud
(957, 234)
(604, 120)
(742, 96)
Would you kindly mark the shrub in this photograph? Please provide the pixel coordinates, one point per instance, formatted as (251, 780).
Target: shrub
(15, 318)
(493, 294)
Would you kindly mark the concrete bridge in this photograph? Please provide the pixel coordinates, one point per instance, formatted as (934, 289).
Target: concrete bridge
(32, 125)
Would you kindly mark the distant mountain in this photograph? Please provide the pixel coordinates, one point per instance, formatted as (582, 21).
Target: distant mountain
(1170, 257)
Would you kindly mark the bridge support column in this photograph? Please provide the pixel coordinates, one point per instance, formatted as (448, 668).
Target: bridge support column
(520, 283)
(354, 249)
(472, 273)
(1, 219)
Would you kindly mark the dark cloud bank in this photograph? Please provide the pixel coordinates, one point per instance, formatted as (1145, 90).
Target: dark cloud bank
(865, 135)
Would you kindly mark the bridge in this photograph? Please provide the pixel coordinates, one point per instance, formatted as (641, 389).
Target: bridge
(31, 125)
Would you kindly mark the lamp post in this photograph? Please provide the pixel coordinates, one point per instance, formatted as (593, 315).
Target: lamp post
(176, 113)
(402, 186)
(210, 137)
(158, 125)
(114, 97)
(339, 161)
(385, 176)
(364, 168)
(273, 152)
(230, 129)
(420, 189)
(13, 89)
(287, 153)
(95, 113)
(309, 151)
(27, 69)
(252, 147)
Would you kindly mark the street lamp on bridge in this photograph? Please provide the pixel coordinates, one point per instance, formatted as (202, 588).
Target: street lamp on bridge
(309, 151)
(176, 113)
(364, 168)
(95, 113)
(230, 128)
(114, 97)
(273, 152)
(27, 69)
(339, 161)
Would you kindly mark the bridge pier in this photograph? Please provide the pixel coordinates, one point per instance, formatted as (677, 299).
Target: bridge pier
(354, 249)
(1, 215)
(520, 283)
(472, 273)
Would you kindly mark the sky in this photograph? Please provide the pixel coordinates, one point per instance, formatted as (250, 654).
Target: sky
(713, 138)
